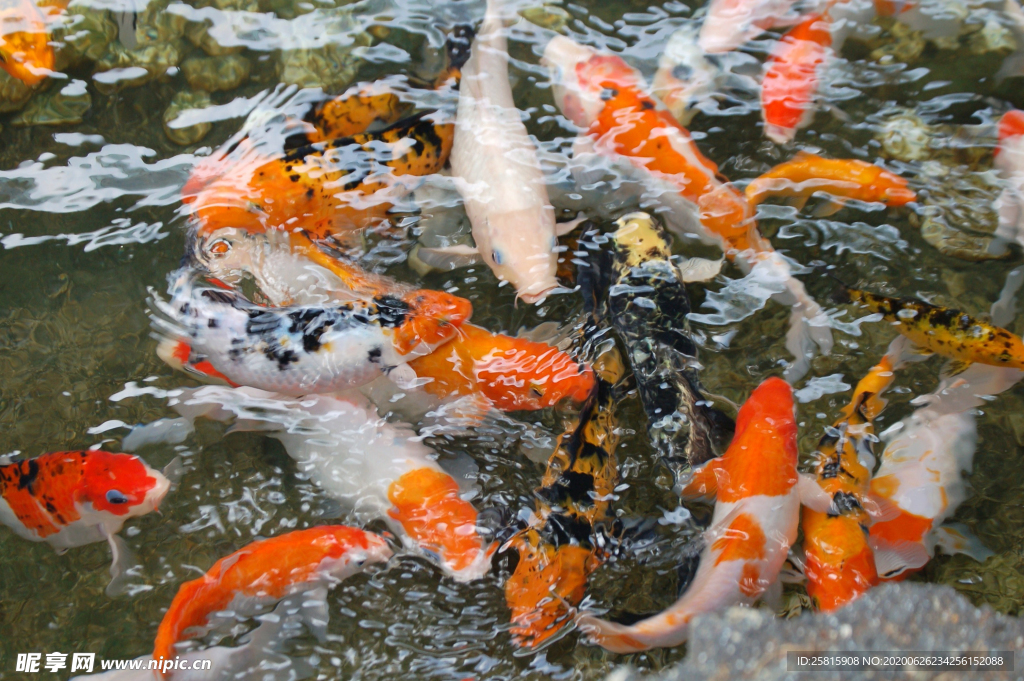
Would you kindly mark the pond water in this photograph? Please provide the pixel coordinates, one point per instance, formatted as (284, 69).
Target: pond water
(91, 219)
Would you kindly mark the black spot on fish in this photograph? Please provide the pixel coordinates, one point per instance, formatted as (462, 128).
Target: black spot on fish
(374, 354)
(646, 105)
(212, 323)
(391, 311)
(843, 503)
(295, 177)
(29, 472)
(561, 529)
(609, 93)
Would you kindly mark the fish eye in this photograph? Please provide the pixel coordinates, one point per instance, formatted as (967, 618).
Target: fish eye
(115, 497)
(219, 247)
(496, 257)
(536, 391)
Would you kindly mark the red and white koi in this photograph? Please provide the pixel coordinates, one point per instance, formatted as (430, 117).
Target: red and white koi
(730, 23)
(608, 100)
(500, 177)
(791, 78)
(378, 469)
(307, 349)
(754, 523)
(1010, 161)
(70, 499)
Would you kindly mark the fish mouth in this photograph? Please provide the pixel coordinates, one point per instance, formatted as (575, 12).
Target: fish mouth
(535, 297)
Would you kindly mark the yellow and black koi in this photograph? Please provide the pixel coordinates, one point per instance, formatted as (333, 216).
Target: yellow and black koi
(944, 331)
(558, 552)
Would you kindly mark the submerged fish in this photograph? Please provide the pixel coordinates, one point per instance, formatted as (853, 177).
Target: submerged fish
(307, 349)
(1010, 161)
(754, 524)
(512, 373)
(945, 331)
(648, 307)
(685, 75)
(558, 551)
(791, 79)
(608, 100)
(69, 499)
(378, 469)
(840, 564)
(501, 180)
(25, 50)
(806, 174)
(730, 23)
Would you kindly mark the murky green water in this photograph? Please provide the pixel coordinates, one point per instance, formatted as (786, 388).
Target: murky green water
(90, 217)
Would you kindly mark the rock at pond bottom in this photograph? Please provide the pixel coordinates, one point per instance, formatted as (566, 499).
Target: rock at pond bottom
(742, 643)
(63, 106)
(182, 102)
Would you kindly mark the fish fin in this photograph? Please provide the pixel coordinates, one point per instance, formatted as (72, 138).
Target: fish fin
(702, 484)
(456, 417)
(617, 638)
(794, 570)
(954, 367)
(720, 427)
(797, 202)
(955, 538)
(122, 561)
(161, 431)
(563, 228)
(828, 207)
(174, 469)
(1005, 307)
(315, 613)
(892, 560)
(879, 508)
(812, 495)
(444, 258)
(698, 270)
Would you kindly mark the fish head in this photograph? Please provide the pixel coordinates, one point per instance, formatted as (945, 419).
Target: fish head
(728, 24)
(519, 247)
(421, 320)
(1011, 125)
(840, 564)
(227, 252)
(581, 78)
(527, 375)
(121, 484)
(893, 190)
(1010, 150)
(25, 50)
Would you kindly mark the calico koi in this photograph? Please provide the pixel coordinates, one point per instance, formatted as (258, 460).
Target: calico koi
(70, 499)
(791, 78)
(754, 524)
(25, 50)
(944, 331)
(557, 552)
(307, 349)
(806, 174)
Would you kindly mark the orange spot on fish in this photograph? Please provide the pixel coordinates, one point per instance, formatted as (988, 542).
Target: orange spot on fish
(791, 81)
(751, 585)
(905, 527)
(742, 540)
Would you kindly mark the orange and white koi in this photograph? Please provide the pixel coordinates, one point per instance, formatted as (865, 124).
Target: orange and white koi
(754, 523)
(1010, 161)
(806, 174)
(307, 349)
(25, 50)
(502, 183)
(608, 100)
(730, 23)
(790, 82)
(378, 469)
(69, 499)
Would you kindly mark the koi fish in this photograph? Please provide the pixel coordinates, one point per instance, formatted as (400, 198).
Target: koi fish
(730, 23)
(840, 563)
(607, 99)
(557, 552)
(807, 174)
(378, 469)
(754, 524)
(648, 307)
(509, 373)
(945, 331)
(307, 349)
(70, 499)
(25, 50)
(791, 79)
(502, 183)
(512, 373)
(1010, 161)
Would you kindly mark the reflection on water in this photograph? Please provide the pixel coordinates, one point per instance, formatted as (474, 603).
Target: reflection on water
(91, 217)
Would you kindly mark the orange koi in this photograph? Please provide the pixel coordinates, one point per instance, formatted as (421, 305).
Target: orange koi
(840, 562)
(754, 523)
(268, 569)
(25, 50)
(791, 80)
(512, 373)
(844, 179)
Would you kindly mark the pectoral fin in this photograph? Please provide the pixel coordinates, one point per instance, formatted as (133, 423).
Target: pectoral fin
(812, 495)
(954, 367)
(122, 561)
(955, 538)
(563, 228)
(446, 258)
(697, 270)
(828, 207)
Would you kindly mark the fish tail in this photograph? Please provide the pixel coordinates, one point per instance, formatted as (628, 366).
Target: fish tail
(841, 294)
(617, 638)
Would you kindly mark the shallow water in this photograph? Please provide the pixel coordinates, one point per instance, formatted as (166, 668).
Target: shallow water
(90, 218)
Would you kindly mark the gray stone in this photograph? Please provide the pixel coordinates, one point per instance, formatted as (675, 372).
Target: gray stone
(742, 643)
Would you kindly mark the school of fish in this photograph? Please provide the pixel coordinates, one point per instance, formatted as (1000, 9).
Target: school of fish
(352, 371)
